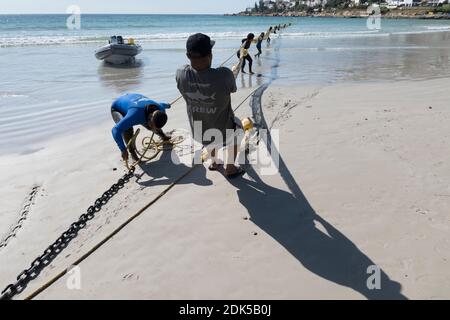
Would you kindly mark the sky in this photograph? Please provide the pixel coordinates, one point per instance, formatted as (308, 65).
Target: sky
(125, 6)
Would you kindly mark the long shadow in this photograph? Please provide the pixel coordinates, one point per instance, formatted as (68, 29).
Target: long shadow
(289, 219)
(165, 171)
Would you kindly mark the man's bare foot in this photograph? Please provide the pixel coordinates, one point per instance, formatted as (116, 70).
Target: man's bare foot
(213, 167)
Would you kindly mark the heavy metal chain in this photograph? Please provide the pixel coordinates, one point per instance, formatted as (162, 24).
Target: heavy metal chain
(56, 248)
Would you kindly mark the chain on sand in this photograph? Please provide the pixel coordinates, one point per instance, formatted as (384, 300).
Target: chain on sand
(54, 249)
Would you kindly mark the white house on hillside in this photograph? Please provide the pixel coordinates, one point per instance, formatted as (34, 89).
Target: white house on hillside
(285, 4)
(410, 3)
(313, 3)
(436, 2)
(289, 4)
(269, 4)
(406, 3)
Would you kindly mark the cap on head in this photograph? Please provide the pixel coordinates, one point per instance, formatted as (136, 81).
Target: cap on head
(199, 45)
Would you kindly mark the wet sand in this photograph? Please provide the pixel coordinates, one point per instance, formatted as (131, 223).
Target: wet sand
(50, 90)
(363, 181)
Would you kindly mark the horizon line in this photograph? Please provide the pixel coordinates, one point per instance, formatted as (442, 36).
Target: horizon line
(112, 13)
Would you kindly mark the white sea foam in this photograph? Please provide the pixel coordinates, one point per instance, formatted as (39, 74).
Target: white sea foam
(61, 40)
(158, 37)
(334, 34)
(443, 28)
(162, 37)
(11, 95)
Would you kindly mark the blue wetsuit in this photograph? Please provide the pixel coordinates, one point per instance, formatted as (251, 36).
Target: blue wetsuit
(133, 108)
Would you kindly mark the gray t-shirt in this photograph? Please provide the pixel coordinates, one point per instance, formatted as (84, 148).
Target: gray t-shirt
(207, 95)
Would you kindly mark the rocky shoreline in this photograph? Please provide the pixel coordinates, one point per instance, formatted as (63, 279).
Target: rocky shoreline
(421, 13)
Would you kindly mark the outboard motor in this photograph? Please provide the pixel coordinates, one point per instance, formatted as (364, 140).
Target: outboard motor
(113, 40)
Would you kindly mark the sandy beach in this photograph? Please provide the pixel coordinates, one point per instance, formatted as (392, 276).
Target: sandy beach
(363, 181)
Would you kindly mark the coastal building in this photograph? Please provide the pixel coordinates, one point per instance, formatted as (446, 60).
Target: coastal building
(409, 3)
(314, 3)
(284, 4)
(291, 4)
(394, 2)
(436, 2)
(269, 4)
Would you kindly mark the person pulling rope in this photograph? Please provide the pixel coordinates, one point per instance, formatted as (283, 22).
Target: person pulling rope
(155, 125)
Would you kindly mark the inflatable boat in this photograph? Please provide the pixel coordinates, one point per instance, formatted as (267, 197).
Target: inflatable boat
(118, 52)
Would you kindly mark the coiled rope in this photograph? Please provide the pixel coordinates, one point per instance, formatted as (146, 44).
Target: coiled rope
(8, 295)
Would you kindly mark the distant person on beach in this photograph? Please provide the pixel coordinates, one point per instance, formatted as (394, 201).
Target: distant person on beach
(207, 92)
(259, 44)
(246, 43)
(135, 109)
(268, 34)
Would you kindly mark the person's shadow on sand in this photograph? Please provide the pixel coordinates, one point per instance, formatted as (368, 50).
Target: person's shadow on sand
(290, 220)
(164, 172)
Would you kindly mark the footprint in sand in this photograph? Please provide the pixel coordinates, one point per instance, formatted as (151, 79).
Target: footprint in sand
(23, 215)
(130, 277)
(421, 211)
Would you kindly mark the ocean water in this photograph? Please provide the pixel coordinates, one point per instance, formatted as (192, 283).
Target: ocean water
(23, 30)
(51, 83)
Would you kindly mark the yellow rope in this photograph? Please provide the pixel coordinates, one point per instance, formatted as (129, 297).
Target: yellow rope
(128, 145)
(158, 146)
(133, 217)
(111, 235)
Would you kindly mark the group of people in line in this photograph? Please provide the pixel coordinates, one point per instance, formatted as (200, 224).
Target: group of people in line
(247, 42)
(207, 92)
